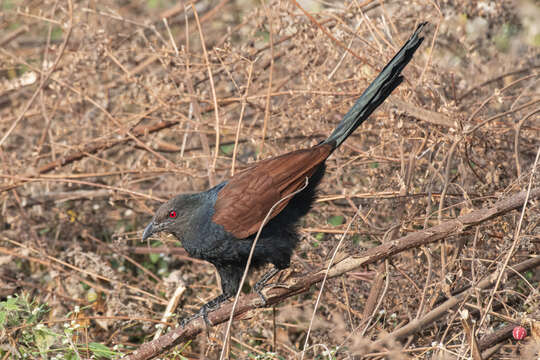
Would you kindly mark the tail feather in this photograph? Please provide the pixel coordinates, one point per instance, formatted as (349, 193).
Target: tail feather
(383, 85)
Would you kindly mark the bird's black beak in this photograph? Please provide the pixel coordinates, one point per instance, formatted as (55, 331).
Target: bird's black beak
(148, 231)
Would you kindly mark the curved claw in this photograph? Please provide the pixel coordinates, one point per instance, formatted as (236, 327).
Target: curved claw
(263, 283)
(258, 290)
(203, 312)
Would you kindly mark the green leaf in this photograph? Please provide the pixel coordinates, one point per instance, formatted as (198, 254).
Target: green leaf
(101, 350)
(374, 165)
(10, 304)
(336, 220)
(319, 236)
(44, 339)
(154, 258)
(227, 149)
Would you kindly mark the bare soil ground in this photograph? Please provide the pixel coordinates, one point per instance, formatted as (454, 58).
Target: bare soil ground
(108, 108)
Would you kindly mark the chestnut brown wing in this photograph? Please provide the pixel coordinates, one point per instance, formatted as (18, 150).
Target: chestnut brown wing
(243, 203)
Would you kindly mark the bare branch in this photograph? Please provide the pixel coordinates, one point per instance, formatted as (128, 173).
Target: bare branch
(347, 263)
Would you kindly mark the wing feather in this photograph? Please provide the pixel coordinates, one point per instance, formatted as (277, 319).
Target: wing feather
(243, 203)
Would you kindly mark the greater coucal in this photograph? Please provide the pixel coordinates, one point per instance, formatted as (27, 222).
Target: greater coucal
(219, 225)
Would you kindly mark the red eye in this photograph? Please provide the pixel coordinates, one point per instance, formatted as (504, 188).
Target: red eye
(172, 214)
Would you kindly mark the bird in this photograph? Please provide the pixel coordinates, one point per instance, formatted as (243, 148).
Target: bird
(219, 225)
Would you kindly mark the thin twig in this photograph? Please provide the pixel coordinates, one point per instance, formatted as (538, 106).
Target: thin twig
(510, 252)
(270, 77)
(51, 259)
(496, 78)
(212, 86)
(195, 106)
(516, 139)
(171, 306)
(330, 263)
(45, 77)
(248, 263)
(323, 29)
(417, 324)
(241, 117)
(345, 264)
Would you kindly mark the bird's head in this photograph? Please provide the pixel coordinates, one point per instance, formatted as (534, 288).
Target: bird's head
(172, 216)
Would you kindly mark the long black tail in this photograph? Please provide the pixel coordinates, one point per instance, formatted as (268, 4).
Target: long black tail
(383, 85)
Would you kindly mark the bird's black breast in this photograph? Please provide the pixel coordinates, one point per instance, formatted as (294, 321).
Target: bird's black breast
(275, 245)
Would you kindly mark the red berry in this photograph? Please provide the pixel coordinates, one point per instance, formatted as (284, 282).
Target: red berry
(519, 333)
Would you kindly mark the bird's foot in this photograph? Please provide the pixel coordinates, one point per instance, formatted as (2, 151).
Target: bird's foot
(205, 309)
(259, 288)
(262, 283)
(203, 312)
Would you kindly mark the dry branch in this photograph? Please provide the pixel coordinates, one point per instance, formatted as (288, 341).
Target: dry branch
(432, 117)
(419, 324)
(346, 264)
(96, 147)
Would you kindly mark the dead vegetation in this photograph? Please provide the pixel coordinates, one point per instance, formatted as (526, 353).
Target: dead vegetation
(106, 109)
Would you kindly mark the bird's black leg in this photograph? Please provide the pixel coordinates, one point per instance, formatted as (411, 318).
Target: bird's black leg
(203, 311)
(262, 283)
(230, 281)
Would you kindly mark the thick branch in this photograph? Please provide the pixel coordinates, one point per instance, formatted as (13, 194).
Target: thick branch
(345, 264)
